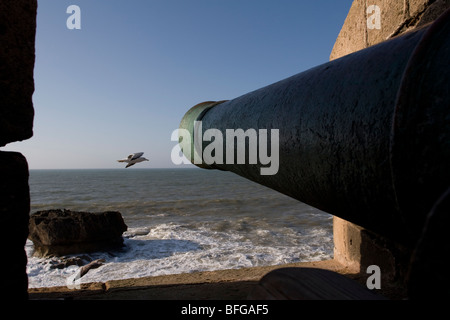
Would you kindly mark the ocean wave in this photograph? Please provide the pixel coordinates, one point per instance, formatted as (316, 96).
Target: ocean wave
(180, 221)
(174, 249)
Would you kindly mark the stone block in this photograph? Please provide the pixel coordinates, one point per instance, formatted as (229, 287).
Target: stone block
(356, 247)
(431, 12)
(352, 36)
(393, 14)
(396, 18)
(14, 217)
(17, 57)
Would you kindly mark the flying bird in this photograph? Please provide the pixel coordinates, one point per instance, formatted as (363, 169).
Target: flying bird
(134, 158)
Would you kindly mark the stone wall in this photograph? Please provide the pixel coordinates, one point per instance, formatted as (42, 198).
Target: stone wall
(14, 213)
(17, 56)
(356, 247)
(353, 245)
(17, 36)
(397, 17)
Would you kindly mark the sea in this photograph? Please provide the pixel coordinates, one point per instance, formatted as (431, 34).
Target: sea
(179, 220)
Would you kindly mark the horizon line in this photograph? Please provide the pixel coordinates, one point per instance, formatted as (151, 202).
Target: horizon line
(155, 168)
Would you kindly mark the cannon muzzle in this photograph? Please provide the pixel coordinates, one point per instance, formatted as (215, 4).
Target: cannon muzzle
(365, 137)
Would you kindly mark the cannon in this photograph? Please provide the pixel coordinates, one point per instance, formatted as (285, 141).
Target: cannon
(365, 137)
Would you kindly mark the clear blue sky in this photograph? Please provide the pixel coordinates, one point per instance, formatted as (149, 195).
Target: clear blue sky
(123, 82)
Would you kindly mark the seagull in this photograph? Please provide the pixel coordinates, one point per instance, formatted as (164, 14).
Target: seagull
(133, 158)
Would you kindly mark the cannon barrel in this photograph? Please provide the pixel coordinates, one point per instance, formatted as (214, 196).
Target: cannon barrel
(365, 137)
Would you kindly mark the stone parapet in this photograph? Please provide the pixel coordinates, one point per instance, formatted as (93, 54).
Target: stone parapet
(360, 29)
(356, 247)
(14, 215)
(17, 56)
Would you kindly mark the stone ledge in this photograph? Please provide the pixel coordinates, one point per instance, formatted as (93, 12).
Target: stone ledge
(235, 284)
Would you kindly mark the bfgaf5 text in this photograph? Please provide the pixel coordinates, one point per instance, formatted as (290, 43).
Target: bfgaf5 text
(230, 309)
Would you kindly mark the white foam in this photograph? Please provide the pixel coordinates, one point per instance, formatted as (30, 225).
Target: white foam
(174, 249)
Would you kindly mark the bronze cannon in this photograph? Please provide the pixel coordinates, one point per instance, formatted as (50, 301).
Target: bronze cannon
(365, 137)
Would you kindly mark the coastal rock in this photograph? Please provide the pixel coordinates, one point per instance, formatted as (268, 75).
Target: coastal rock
(61, 232)
(136, 232)
(65, 262)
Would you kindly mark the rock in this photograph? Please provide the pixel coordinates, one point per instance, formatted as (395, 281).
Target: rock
(137, 232)
(92, 265)
(17, 57)
(66, 262)
(61, 232)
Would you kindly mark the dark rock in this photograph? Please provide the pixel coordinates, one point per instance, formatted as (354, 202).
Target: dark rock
(66, 262)
(137, 232)
(61, 232)
(17, 57)
(92, 265)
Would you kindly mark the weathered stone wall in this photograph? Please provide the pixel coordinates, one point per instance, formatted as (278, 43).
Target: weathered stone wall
(17, 36)
(356, 247)
(17, 56)
(397, 17)
(14, 214)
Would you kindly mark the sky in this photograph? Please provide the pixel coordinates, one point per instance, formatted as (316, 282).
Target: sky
(123, 82)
